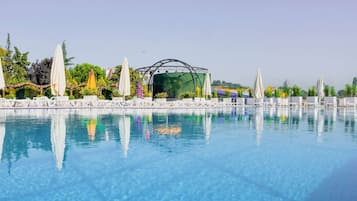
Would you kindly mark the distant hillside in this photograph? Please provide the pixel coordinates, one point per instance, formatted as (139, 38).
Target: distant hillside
(224, 84)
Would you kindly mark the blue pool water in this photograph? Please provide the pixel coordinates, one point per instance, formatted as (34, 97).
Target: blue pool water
(233, 154)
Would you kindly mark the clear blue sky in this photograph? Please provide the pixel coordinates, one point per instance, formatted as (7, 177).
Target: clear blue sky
(300, 41)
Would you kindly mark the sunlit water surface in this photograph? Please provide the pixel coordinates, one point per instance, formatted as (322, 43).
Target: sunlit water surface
(233, 154)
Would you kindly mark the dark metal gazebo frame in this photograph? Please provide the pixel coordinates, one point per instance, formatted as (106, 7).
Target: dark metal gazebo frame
(149, 71)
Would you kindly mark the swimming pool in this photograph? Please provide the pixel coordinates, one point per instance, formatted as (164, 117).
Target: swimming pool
(232, 154)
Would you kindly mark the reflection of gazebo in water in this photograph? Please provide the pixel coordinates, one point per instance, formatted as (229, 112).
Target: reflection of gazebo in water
(173, 76)
(163, 127)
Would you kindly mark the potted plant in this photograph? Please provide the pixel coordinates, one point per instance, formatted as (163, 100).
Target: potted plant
(250, 99)
(214, 96)
(330, 96)
(147, 94)
(269, 95)
(161, 97)
(227, 96)
(351, 92)
(187, 96)
(198, 97)
(240, 97)
(312, 98)
(116, 96)
(296, 98)
(89, 93)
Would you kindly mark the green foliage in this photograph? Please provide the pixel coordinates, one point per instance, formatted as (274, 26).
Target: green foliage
(250, 91)
(332, 91)
(10, 96)
(327, 90)
(161, 95)
(214, 94)
(115, 93)
(354, 81)
(277, 93)
(296, 91)
(134, 76)
(88, 91)
(269, 92)
(354, 90)
(227, 93)
(80, 72)
(67, 60)
(198, 92)
(240, 92)
(147, 93)
(348, 90)
(286, 89)
(14, 64)
(71, 97)
(102, 83)
(187, 94)
(312, 91)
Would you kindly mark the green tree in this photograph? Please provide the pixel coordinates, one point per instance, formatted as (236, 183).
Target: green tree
(67, 60)
(332, 91)
(134, 76)
(348, 90)
(354, 81)
(15, 64)
(327, 90)
(296, 91)
(17, 73)
(81, 71)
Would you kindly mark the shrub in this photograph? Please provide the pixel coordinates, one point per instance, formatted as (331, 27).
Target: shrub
(161, 95)
(198, 92)
(214, 94)
(348, 90)
(240, 92)
(250, 91)
(296, 91)
(354, 90)
(332, 91)
(269, 92)
(115, 93)
(311, 92)
(71, 97)
(187, 94)
(227, 93)
(327, 91)
(10, 96)
(88, 91)
(277, 93)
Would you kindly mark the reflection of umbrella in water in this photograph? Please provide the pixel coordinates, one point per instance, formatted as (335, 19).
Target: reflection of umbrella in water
(2, 137)
(91, 127)
(207, 127)
(259, 118)
(320, 126)
(58, 138)
(124, 131)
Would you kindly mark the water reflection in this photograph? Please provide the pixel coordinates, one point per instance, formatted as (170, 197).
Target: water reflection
(124, 131)
(58, 137)
(2, 136)
(259, 119)
(51, 130)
